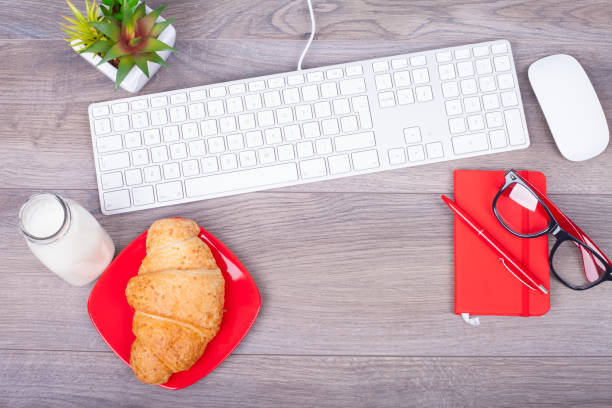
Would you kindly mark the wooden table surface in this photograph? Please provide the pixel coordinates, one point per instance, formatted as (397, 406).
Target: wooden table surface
(356, 274)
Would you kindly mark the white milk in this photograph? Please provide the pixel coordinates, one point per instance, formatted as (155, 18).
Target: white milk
(66, 238)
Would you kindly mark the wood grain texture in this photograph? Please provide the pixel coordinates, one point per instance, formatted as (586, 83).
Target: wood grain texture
(356, 274)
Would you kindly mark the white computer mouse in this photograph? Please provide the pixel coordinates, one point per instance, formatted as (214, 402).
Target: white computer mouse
(571, 107)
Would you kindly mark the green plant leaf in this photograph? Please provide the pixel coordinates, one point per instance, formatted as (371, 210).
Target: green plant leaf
(154, 57)
(141, 62)
(159, 27)
(99, 47)
(153, 44)
(108, 2)
(125, 65)
(76, 12)
(116, 51)
(146, 23)
(140, 11)
(110, 30)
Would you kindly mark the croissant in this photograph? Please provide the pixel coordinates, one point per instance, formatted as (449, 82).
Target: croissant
(178, 298)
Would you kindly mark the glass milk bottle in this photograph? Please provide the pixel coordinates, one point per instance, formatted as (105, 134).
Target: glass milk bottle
(66, 238)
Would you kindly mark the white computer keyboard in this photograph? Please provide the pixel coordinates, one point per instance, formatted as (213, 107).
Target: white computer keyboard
(303, 126)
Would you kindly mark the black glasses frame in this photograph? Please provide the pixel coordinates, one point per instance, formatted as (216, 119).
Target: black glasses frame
(512, 177)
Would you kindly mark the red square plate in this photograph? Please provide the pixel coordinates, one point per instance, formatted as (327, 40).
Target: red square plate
(112, 316)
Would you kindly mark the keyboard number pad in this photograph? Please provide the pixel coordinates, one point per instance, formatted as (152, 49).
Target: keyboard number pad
(403, 82)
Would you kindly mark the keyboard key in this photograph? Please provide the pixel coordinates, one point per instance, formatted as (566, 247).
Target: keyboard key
(383, 82)
(159, 101)
(228, 161)
(453, 107)
(304, 149)
(402, 78)
(285, 152)
(292, 133)
(380, 66)
(349, 123)
(505, 81)
(362, 108)
(109, 143)
(424, 93)
(197, 148)
(151, 136)
(397, 156)
(483, 66)
(98, 111)
(341, 106)
(234, 105)
(295, 79)
(190, 130)
(450, 89)
(217, 92)
(256, 86)
(502, 63)
(133, 177)
(465, 69)
(114, 161)
(198, 95)
(178, 98)
(248, 158)
(472, 104)
(178, 151)
(120, 108)
(475, 122)
(311, 129)
(351, 86)
(116, 200)
(470, 143)
(121, 123)
(314, 76)
(444, 56)
(143, 195)
(386, 99)
(266, 155)
(481, 51)
(159, 117)
(215, 108)
(265, 118)
(354, 70)
(277, 82)
(499, 48)
(415, 153)
(303, 112)
(254, 139)
(354, 141)
(456, 125)
(334, 73)
(272, 99)
(339, 164)
(236, 89)
(462, 53)
(216, 145)
(399, 63)
(418, 60)
(412, 135)
(498, 138)
(365, 160)
(446, 72)
(111, 180)
(330, 127)
(468, 86)
(494, 119)
(324, 146)
(152, 174)
(240, 180)
(253, 102)
(209, 165)
(209, 127)
(310, 93)
(509, 99)
(420, 76)
(169, 191)
(273, 136)
(516, 134)
(140, 157)
(177, 114)
(329, 90)
(291, 95)
(171, 171)
(159, 154)
(434, 150)
(490, 101)
(247, 121)
(322, 109)
(196, 111)
(313, 168)
(235, 142)
(405, 97)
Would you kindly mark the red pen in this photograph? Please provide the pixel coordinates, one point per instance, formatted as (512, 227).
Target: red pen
(519, 271)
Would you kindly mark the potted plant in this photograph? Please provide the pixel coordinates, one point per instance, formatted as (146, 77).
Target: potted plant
(125, 41)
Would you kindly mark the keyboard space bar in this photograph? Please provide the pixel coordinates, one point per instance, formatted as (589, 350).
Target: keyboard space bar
(240, 180)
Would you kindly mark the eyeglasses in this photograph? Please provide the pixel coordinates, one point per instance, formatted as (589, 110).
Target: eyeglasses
(525, 212)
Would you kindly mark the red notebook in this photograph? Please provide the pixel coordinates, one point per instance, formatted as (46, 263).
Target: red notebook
(482, 284)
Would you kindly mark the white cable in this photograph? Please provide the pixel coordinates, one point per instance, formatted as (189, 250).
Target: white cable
(312, 34)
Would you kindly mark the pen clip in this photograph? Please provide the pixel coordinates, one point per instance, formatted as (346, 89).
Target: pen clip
(515, 275)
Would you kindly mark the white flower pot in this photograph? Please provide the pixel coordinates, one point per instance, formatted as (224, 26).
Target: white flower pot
(135, 79)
